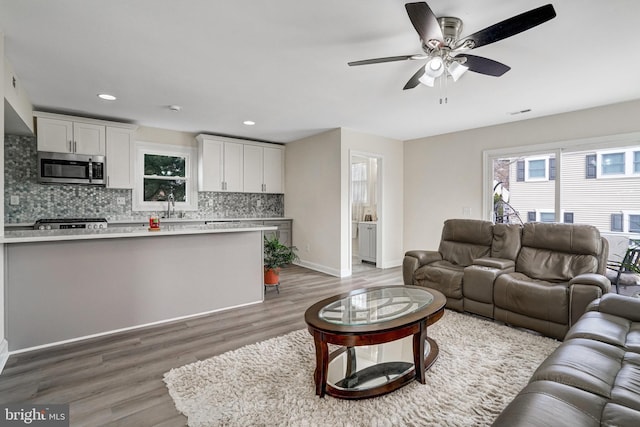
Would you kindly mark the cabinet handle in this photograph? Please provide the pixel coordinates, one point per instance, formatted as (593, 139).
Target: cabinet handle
(71, 146)
(75, 146)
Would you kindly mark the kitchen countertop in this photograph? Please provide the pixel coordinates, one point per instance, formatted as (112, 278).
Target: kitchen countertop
(175, 227)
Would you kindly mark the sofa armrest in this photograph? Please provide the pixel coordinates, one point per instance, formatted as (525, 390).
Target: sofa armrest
(507, 265)
(583, 290)
(592, 279)
(414, 260)
(619, 305)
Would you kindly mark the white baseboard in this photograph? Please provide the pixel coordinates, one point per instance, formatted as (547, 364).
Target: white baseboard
(4, 353)
(128, 328)
(324, 269)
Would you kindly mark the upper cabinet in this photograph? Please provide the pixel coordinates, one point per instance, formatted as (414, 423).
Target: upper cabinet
(226, 164)
(219, 165)
(119, 157)
(69, 134)
(65, 136)
(263, 169)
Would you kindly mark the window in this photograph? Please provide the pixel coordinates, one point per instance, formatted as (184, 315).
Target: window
(163, 172)
(636, 162)
(359, 182)
(537, 169)
(547, 217)
(634, 223)
(613, 164)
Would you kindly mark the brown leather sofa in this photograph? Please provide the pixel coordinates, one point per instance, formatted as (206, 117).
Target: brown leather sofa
(592, 378)
(538, 276)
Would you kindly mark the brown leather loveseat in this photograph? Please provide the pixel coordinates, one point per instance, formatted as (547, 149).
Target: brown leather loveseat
(538, 276)
(592, 378)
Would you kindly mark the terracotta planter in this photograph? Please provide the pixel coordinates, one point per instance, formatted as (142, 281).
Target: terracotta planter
(271, 276)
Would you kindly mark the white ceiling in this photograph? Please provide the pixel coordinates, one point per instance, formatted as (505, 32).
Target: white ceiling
(283, 63)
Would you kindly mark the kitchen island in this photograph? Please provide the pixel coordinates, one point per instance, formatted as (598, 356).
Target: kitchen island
(65, 285)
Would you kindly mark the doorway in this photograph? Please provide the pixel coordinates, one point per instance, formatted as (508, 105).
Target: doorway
(365, 203)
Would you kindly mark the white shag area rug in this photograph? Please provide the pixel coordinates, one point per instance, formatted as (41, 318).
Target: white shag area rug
(481, 367)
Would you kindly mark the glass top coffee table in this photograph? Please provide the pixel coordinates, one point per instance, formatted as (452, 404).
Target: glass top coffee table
(382, 337)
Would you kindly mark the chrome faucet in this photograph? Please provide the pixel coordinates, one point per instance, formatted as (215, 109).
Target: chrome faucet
(171, 202)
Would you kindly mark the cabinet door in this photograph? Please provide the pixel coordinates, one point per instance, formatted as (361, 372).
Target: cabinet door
(55, 135)
(273, 170)
(119, 158)
(210, 165)
(88, 138)
(253, 169)
(233, 166)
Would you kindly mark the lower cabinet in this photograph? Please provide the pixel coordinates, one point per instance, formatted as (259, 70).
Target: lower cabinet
(367, 241)
(283, 232)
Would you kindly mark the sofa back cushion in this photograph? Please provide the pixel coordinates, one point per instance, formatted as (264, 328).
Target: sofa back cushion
(506, 241)
(558, 252)
(464, 240)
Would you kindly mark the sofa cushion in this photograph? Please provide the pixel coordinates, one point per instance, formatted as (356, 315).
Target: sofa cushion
(578, 239)
(585, 364)
(463, 240)
(554, 266)
(547, 403)
(506, 241)
(519, 293)
(442, 276)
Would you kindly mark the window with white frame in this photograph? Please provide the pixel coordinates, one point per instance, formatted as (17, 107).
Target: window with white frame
(536, 169)
(616, 164)
(164, 174)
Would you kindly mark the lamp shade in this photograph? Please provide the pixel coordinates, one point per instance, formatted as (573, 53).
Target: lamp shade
(456, 70)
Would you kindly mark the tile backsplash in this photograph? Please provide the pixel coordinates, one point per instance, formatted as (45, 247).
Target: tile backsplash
(66, 201)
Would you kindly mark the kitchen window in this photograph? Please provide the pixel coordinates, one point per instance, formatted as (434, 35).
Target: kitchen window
(164, 172)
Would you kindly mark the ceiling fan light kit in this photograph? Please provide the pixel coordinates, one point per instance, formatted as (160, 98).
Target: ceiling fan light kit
(446, 52)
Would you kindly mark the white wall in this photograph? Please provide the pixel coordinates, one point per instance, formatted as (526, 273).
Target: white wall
(443, 174)
(313, 199)
(390, 178)
(18, 100)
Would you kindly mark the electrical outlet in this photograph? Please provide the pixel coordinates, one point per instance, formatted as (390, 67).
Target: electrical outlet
(466, 212)
(258, 203)
(120, 201)
(210, 203)
(15, 200)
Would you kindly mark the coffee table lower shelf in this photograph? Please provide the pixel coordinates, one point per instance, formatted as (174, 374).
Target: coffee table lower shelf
(396, 373)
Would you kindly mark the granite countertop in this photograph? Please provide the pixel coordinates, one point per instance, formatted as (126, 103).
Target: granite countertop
(184, 228)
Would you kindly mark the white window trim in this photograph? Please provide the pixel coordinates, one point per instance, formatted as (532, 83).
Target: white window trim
(628, 163)
(191, 171)
(629, 140)
(626, 221)
(546, 169)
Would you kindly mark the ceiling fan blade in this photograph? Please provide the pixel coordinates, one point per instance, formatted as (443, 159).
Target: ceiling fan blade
(379, 60)
(415, 80)
(511, 26)
(424, 21)
(486, 66)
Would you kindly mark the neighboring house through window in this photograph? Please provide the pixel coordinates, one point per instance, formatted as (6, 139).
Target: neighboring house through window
(163, 172)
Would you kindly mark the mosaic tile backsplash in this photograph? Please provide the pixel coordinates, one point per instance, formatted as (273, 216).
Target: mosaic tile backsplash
(67, 201)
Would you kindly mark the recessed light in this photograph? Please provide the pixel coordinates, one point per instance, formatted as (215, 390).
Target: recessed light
(249, 122)
(106, 97)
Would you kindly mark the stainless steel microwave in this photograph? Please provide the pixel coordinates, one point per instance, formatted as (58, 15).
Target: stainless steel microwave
(67, 168)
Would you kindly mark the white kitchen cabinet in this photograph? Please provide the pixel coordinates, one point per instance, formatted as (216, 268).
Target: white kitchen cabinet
(119, 157)
(283, 233)
(263, 169)
(68, 136)
(220, 165)
(367, 241)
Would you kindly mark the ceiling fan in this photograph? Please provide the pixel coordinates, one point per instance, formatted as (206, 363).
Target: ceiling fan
(445, 51)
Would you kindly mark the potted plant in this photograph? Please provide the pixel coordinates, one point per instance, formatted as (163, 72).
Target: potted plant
(276, 255)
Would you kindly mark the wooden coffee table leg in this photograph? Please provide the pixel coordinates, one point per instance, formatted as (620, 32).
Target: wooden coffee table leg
(418, 353)
(322, 364)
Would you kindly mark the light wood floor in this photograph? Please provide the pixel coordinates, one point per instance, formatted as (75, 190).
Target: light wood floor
(117, 379)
